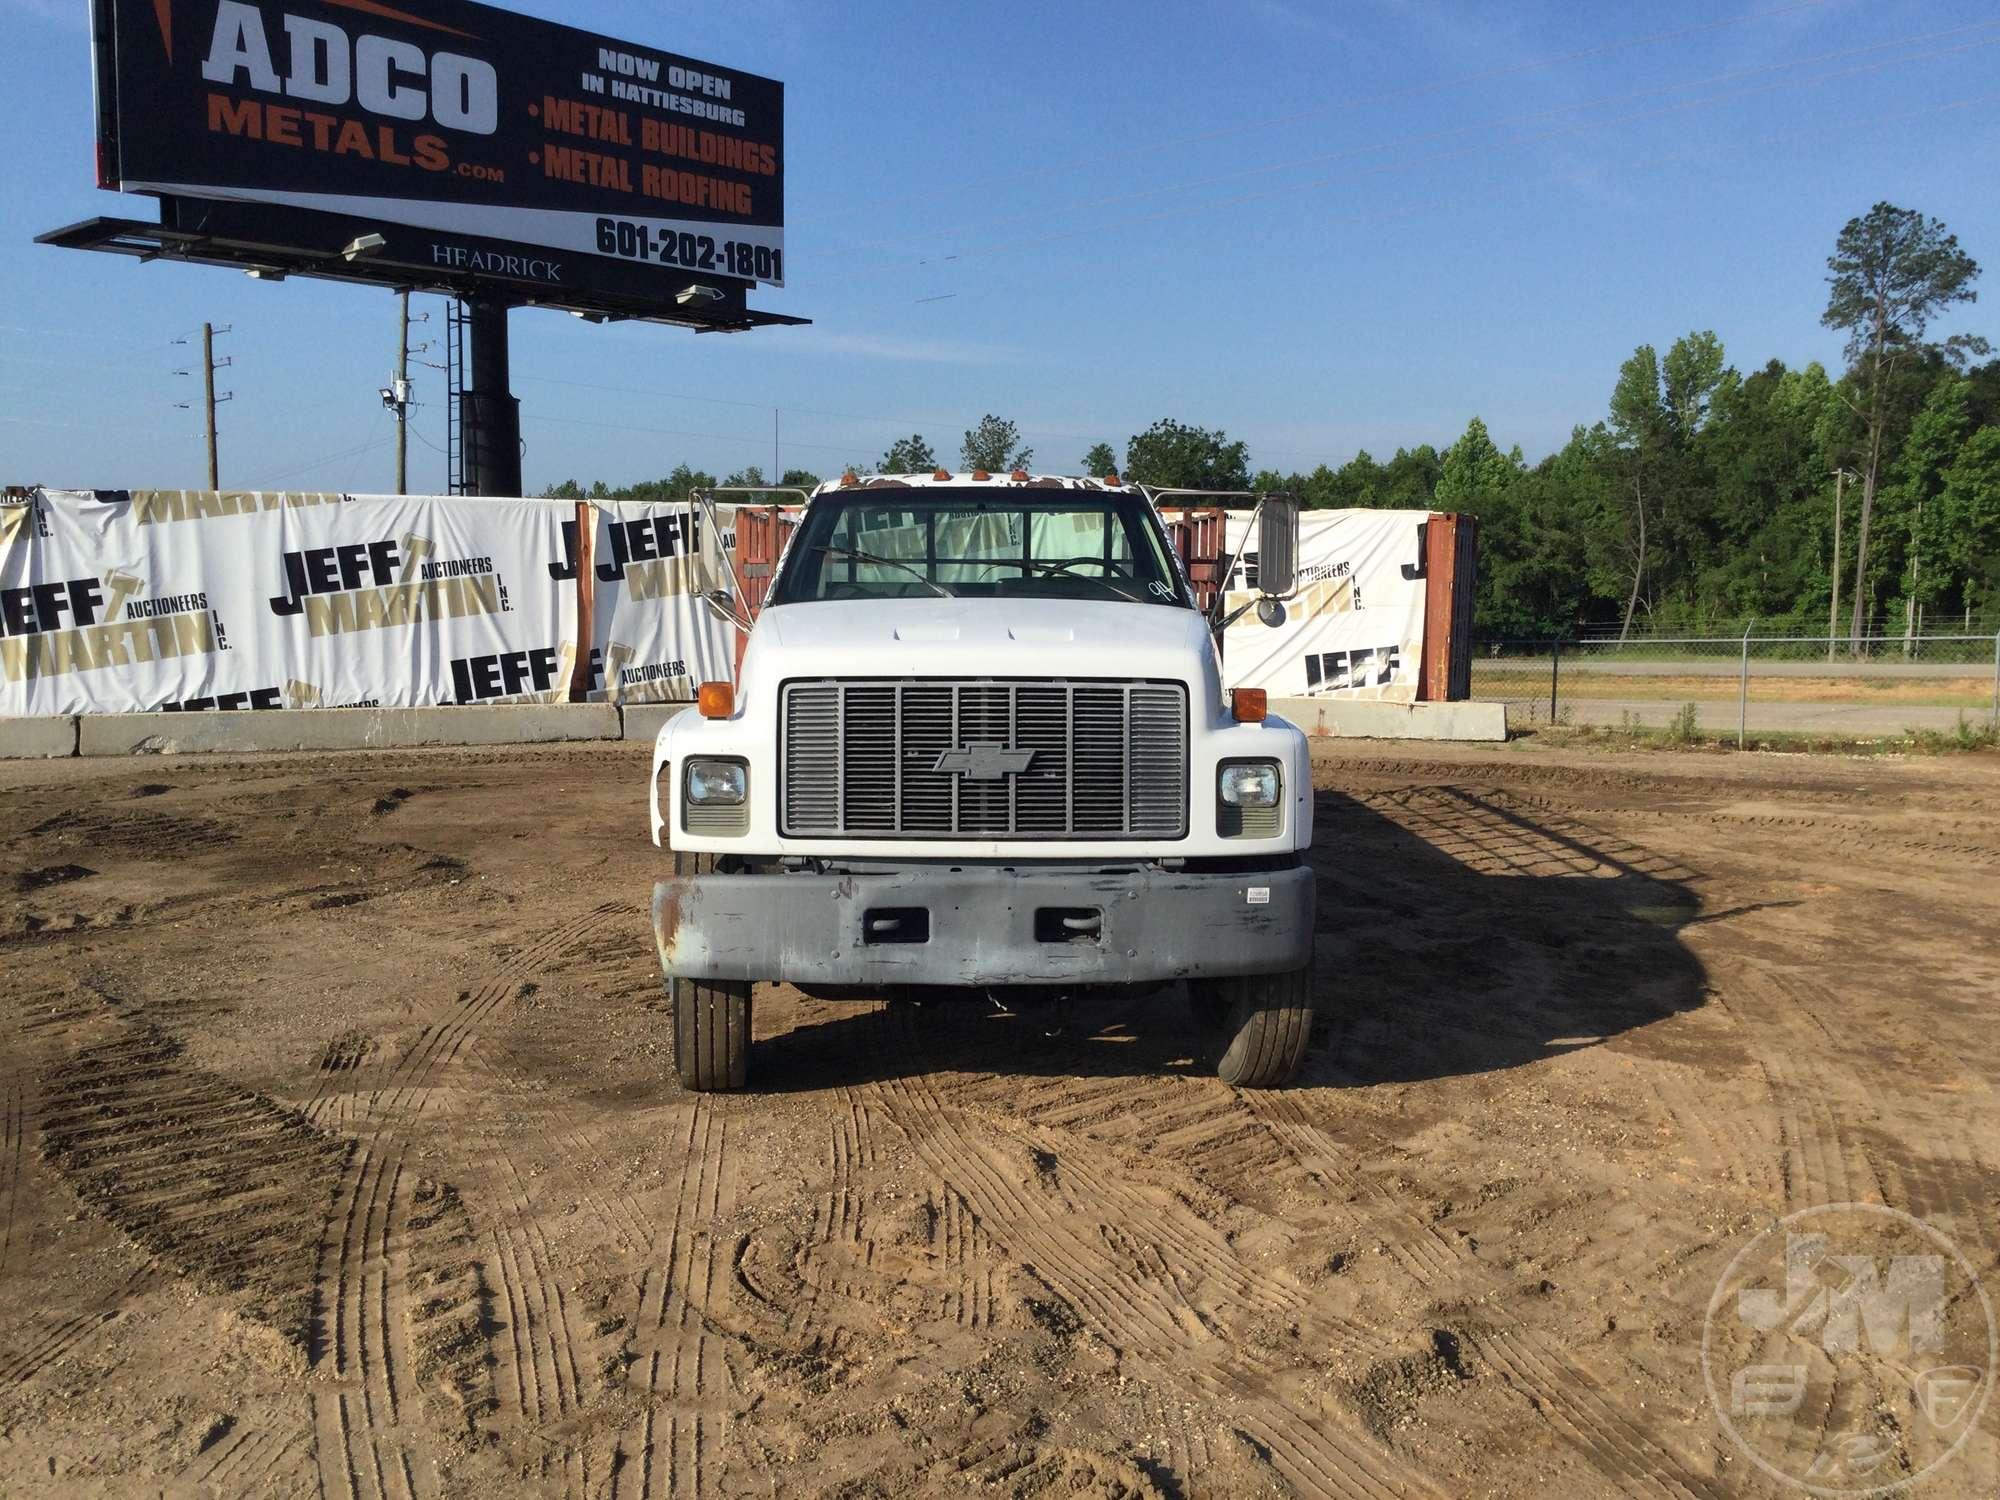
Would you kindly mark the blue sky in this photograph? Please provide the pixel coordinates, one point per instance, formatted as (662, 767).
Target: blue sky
(1319, 227)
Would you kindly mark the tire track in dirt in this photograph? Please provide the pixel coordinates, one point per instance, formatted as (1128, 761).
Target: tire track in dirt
(218, 1182)
(42, 1341)
(965, 1251)
(1416, 1244)
(1557, 1384)
(364, 1446)
(1818, 1108)
(1147, 1320)
(1446, 1270)
(361, 1433)
(16, 1131)
(1848, 1142)
(1020, 1198)
(682, 1445)
(548, 1382)
(1731, 1150)
(1589, 1421)
(251, 1461)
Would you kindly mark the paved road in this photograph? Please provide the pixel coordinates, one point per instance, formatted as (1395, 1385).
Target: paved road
(1726, 665)
(1718, 716)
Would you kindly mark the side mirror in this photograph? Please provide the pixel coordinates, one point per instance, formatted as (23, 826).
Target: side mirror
(721, 602)
(1277, 545)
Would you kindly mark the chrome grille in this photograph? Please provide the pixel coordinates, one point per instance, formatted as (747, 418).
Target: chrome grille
(862, 758)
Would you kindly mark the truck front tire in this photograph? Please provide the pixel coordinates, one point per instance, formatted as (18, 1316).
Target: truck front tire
(711, 1017)
(1267, 1020)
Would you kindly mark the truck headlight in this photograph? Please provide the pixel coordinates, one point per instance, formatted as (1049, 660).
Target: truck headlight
(717, 783)
(1250, 784)
(1246, 800)
(715, 795)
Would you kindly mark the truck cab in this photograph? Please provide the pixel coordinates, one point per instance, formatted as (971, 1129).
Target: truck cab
(979, 745)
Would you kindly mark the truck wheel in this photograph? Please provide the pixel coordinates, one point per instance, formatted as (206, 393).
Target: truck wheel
(1269, 1024)
(711, 1017)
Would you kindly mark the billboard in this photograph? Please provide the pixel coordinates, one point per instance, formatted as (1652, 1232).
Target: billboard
(548, 155)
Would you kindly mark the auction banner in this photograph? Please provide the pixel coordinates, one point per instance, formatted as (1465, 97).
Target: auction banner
(653, 639)
(448, 116)
(133, 600)
(1355, 628)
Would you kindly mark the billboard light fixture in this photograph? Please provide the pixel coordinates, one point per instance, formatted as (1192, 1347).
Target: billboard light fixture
(360, 245)
(704, 293)
(265, 273)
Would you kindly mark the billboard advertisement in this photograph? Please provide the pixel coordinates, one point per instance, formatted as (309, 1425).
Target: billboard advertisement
(530, 139)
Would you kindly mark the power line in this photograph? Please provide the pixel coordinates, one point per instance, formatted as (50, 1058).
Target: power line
(264, 479)
(717, 437)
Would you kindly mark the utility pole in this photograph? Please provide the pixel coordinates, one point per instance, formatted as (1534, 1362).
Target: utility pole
(208, 385)
(403, 394)
(396, 394)
(209, 365)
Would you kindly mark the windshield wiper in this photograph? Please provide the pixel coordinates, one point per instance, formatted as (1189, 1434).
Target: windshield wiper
(888, 562)
(1062, 566)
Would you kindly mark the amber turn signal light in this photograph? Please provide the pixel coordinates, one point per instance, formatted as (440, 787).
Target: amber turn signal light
(717, 700)
(1246, 705)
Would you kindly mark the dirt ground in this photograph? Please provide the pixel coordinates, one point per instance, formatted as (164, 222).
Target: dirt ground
(340, 1152)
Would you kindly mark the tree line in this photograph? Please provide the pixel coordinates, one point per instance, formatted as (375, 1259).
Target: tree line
(1702, 497)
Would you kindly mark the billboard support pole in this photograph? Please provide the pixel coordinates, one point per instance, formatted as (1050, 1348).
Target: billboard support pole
(490, 415)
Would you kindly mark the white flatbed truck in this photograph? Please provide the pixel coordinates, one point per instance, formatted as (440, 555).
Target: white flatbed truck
(979, 744)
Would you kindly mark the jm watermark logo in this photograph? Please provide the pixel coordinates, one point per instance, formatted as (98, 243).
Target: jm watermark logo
(1849, 1349)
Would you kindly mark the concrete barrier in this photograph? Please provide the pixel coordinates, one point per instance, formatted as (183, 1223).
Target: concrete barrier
(643, 720)
(37, 738)
(549, 723)
(346, 728)
(1345, 719)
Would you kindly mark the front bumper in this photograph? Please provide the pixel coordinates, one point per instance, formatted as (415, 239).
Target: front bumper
(984, 926)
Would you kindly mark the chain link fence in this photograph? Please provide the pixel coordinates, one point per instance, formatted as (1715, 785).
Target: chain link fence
(1748, 685)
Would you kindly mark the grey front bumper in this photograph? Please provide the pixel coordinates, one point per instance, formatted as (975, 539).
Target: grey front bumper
(982, 926)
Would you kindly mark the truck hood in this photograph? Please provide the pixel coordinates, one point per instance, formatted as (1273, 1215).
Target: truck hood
(980, 638)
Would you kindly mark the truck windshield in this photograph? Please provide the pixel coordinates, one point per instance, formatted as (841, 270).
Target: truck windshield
(1009, 544)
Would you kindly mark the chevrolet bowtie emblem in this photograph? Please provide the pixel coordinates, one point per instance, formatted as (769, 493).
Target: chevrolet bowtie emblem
(984, 760)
